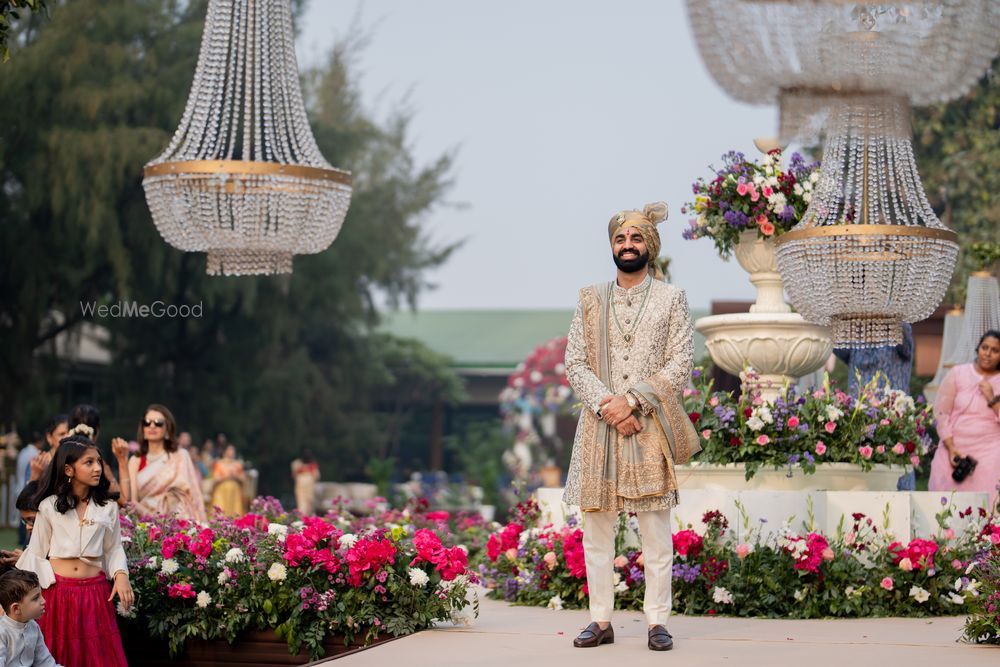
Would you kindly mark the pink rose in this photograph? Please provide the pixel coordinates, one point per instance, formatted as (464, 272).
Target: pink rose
(886, 583)
(915, 460)
(865, 451)
(793, 422)
(767, 191)
(949, 534)
(880, 449)
(820, 447)
(884, 422)
(957, 564)
(742, 550)
(819, 393)
(621, 562)
(906, 565)
(763, 440)
(830, 427)
(640, 560)
(550, 559)
(714, 401)
(828, 554)
(511, 553)
(741, 189)
(995, 538)
(849, 539)
(707, 433)
(754, 195)
(767, 228)
(898, 448)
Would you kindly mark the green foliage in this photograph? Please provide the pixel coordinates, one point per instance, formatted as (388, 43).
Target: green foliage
(479, 450)
(10, 10)
(278, 363)
(958, 154)
(984, 255)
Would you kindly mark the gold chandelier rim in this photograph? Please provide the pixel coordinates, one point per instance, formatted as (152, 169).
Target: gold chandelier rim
(248, 168)
(828, 231)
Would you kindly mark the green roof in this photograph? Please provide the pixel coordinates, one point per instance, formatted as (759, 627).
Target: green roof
(488, 339)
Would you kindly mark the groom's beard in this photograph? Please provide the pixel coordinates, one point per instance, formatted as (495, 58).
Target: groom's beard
(632, 264)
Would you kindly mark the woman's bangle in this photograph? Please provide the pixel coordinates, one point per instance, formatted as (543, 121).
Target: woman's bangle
(120, 571)
(993, 401)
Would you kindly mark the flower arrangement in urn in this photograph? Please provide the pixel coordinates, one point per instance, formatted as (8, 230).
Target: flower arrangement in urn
(750, 196)
(537, 392)
(824, 425)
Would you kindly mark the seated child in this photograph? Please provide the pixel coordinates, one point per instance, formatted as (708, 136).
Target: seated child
(21, 642)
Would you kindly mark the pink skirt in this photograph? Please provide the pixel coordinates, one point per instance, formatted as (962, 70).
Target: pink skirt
(79, 623)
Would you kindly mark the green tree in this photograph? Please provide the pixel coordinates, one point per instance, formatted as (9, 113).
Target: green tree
(10, 11)
(958, 154)
(278, 363)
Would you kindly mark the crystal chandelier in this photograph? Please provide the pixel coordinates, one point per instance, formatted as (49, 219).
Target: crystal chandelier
(869, 252)
(242, 179)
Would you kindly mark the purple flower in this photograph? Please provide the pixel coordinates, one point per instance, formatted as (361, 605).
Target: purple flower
(808, 457)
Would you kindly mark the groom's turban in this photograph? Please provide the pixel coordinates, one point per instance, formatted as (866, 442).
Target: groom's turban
(645, 221)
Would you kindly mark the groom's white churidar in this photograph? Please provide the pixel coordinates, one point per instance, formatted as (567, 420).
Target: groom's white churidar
(628, 356)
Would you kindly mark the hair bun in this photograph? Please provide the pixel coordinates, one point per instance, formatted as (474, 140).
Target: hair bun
(656, 211)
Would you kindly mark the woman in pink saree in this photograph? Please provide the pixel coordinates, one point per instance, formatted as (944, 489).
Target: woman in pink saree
(163, 477)
(967, 410)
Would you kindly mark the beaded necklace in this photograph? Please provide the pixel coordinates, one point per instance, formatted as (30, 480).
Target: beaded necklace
(638, 318)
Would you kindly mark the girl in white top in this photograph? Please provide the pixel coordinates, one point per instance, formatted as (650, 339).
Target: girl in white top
(75, 548)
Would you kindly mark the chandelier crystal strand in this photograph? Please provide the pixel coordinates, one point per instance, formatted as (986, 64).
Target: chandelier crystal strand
(242, 179)
(869, 252)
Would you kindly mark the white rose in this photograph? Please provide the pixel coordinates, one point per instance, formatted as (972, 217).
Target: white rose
(722, 596)
(277, 529)
(223, 577)
(755, 423)
(813, 177)
(169, 566)
(152, 564)
(807, 197)
(418, 577)
(919, 594)
(800, 594)
(347, 540)
(833, 413)
(555, 602)
(797, 189)
(235, 555)
(621, 587)
(277, 572)
(203, 599)
(765, 414)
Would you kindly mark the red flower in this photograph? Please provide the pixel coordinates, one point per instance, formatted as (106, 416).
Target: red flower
(438, 516)
(493, 548)
(452, 562)
(573, 554)
(920, 552)
(734, 441)
(368, 555)
(694, 417)
(180, 591)
(251, 521)
(170, 546)
(747, 412)
(688, 543)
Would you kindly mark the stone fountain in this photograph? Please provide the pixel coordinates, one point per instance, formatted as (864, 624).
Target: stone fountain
(776, 343)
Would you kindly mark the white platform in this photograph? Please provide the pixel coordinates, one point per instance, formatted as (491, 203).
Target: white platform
(901, 514)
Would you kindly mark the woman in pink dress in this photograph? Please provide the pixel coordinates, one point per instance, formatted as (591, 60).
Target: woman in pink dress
(164, 480)
(967, 410)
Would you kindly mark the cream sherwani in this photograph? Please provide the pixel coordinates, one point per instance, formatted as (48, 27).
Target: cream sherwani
(636, 340)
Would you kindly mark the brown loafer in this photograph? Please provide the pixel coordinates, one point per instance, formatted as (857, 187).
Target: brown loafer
(592, 636)
(660, 639)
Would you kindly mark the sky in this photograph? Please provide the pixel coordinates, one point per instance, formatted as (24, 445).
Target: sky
(560, 113)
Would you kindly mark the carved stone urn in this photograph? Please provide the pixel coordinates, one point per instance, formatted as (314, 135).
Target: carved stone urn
(777, 344)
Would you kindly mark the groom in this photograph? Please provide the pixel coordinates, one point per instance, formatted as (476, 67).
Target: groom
(628, 356)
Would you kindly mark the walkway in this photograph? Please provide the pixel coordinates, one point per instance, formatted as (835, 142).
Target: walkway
(507, 636)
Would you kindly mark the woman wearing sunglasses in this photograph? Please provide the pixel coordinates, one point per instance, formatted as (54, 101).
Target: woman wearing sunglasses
(163, 477)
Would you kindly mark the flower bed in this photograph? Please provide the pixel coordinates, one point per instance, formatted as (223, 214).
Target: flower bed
(857, 572)
(305, 578)
(825, 425)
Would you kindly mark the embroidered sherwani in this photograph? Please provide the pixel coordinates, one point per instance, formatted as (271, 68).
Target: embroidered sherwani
(637, 340)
